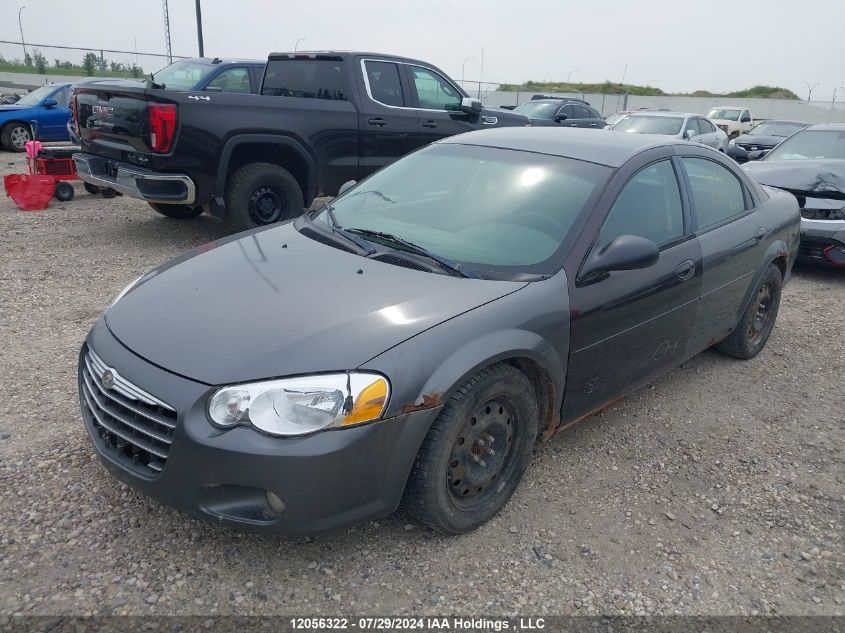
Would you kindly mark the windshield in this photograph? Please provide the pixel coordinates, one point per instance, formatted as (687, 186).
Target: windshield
(725, 115)
(615, 118)
(644, 124)
(811, 144)
(492, 210)
(183, 75)
(36, 96)
(775, 128)
(538, 109)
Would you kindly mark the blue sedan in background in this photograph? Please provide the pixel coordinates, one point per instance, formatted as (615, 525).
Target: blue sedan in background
(48, 106)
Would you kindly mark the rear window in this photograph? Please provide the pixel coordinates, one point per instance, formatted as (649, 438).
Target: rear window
(183, 75)
(305, 78)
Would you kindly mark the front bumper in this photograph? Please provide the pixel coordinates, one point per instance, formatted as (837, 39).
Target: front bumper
(822, 242)
(326, 481)
(134, 181)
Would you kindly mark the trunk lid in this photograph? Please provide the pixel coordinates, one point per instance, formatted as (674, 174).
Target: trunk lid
(112, 119)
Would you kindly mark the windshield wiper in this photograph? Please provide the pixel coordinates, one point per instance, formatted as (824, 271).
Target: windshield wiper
(374, 192)
(337, 229)
(390, 239)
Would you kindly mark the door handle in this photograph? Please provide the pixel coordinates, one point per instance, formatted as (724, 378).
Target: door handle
(430, 124)
(760, 235)
(378, 121)
(592, 125)
(573, 125)
(685, 270)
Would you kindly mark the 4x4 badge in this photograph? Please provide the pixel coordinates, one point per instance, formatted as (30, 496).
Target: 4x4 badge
(198, 97)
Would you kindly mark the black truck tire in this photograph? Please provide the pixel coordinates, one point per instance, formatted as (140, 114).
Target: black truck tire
(177, 211)
(258, 194)
(14, 136)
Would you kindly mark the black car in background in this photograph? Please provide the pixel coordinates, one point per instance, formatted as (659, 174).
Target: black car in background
(762, 138)
(561, 111)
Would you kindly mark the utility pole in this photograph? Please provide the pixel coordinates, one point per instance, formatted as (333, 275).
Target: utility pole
(463, 68)
(167, 33)
(482, 73)
(21, 28)
(199, 29)
(810, 90)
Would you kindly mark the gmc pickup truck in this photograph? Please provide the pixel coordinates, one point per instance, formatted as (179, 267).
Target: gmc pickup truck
(320, 120)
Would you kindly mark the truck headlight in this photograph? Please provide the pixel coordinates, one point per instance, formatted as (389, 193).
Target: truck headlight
(296, 406)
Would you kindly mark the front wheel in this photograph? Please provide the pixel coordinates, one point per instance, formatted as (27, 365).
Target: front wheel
(177, 211)
(261, 193)
(13, 137)
(475, 453)
(755, 326)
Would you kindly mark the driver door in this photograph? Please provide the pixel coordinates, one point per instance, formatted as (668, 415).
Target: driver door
(438, 105)
(629, 326)
(52, 122)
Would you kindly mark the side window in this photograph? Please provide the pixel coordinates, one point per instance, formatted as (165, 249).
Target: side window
(716, 193)
(434, 92)
(62, 97)
(231, 80)
(649, 206)
(385, 85)
(304, 78)
(569, 111)
(746, 117)
(692, 124)
(594, 114)
(582, 113)
(705, 126)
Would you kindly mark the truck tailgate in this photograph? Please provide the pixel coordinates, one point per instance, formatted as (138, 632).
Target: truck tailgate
(112, 119)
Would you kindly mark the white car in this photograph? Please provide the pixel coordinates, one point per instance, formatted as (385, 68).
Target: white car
(733, 120)
(691, 127)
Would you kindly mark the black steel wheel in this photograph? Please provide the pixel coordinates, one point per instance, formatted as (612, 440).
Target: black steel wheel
(261, 193)
(756, 324)
(475, 452)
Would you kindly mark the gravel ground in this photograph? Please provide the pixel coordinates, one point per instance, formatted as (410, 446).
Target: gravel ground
(716, 490)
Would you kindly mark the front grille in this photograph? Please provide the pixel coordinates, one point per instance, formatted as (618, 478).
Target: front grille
(751, 148)
(129, 423)
(811, 249)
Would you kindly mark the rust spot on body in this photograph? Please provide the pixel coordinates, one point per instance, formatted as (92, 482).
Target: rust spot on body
(429, 401)
(589, 414)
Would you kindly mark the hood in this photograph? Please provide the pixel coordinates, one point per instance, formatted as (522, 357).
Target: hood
(811, 176)
(759, 140)
(275, 303)
(13, 108)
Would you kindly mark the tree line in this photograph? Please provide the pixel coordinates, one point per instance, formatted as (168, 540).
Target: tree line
(92, 65)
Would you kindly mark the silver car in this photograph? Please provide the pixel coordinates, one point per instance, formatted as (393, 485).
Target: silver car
(688, 126)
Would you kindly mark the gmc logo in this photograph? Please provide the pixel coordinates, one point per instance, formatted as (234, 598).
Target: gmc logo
(102, 111)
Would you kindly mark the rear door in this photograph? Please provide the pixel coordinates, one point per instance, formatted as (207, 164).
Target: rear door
(438, 103)
(584, 117)
(709, 136)
(386, 122)
(567, 110)
(629, 326)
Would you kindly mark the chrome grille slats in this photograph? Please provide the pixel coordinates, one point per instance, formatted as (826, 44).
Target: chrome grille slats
(129, 423)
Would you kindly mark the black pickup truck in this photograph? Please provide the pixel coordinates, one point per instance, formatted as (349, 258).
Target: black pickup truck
(321, 120)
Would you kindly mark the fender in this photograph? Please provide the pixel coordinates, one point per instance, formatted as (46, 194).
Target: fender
(218, 206)
(776, 249)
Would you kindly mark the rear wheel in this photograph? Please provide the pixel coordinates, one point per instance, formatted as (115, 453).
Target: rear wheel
(94, 190)
(475, 453)
(177, 211)
(757, 321)
(64, 191)
(261, 193)
(13, 136)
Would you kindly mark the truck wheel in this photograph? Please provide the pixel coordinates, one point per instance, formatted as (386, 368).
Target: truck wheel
(177, 211)
(476, 451)
(94, 190)
(63, 191)
(261, 193)
(757, 321)
(13, 136)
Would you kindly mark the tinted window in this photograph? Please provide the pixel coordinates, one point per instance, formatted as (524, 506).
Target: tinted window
(384, 82)
(746, 116)
(538, 109)
(645, 124)
(434, 92)
(716, 193)
(569, 111)
(692, 124)
(812, 144)
(308, 78)
(232, 80)
(649, 206)
(582, 113)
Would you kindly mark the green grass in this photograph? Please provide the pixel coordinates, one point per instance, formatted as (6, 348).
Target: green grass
(75, 71)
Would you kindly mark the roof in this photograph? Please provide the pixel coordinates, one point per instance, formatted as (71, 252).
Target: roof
(664, 113)
(836, 127)
(226, 60)
(724, 107)
(604, 147)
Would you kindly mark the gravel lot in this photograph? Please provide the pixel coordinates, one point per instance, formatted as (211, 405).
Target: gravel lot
(716, 490)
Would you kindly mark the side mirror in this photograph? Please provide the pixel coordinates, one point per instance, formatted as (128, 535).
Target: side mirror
(757, 154)
(560, 117)
(689, 134)
(626, 252)
(471, 106)
(49, 103)
(346, 187)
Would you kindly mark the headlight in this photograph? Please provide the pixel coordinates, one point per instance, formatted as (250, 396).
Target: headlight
(296, 406)
(125, 290)
(731, 143)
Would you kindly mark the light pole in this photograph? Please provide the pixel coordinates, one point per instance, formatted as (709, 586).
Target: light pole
(463, 68)
(199, 29)
(571, 72)
(810, 90)
(296, 46)
(21, 28)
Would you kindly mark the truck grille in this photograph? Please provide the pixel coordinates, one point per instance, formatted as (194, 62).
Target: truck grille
(127, 422)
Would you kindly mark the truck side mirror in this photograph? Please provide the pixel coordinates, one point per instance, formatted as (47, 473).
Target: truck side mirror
(471, 106)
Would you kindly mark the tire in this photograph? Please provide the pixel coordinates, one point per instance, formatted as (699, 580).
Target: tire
(461, 478)
(108, 192)
(177, 211)
(13, 136)
(259, 194)
(755, 326)
(64, 191)
(94, 190)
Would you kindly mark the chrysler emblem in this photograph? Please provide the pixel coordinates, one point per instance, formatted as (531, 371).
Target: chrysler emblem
(108, 379)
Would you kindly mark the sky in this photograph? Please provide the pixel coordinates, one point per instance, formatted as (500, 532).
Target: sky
(678, 45)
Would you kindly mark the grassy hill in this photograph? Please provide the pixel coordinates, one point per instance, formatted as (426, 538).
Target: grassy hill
(609, 87)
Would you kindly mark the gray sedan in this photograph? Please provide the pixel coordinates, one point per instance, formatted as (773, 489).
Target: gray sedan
(687, 126)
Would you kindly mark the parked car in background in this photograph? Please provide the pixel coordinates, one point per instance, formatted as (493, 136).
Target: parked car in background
(613, 119)
(321, 120)
(212, 75)
(810, 164)
(732, 120)
(47, 106)
(9, 99)
(690, 127)
(561, 111)
(416, 337)
(762, 139)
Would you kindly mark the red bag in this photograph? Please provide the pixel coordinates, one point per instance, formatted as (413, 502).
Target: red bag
(30, 192)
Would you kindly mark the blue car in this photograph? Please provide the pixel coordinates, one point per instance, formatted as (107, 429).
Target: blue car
(48, 107)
